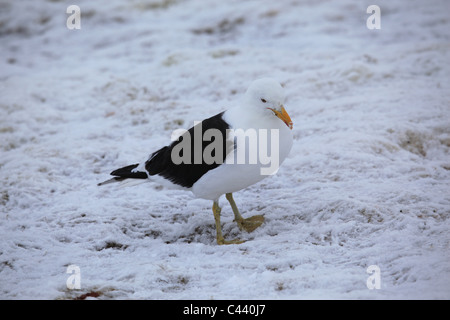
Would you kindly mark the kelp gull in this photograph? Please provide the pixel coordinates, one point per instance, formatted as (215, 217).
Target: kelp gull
(222, 160)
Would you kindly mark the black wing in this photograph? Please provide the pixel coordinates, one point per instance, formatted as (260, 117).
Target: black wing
(187, 173)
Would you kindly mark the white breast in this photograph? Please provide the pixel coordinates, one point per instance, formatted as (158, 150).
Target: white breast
(262, 144)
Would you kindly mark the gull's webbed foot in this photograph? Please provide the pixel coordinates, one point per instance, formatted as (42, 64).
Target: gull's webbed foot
(250, 224)
(234, 241)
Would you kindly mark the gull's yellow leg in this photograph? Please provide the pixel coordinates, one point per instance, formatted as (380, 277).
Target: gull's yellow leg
(220, 240)
(249, 224)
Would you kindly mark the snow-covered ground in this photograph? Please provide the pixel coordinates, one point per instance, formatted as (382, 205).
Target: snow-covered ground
(367, 181)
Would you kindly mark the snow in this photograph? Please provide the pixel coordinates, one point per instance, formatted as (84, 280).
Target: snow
(366, 183)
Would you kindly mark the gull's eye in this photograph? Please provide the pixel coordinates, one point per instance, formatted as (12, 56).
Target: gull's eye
(263, 100)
